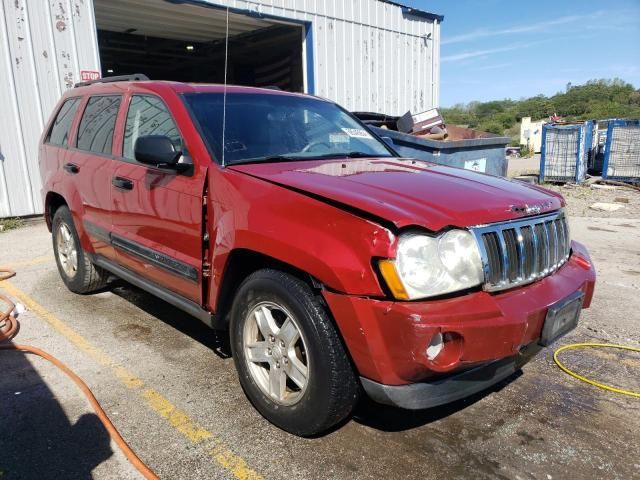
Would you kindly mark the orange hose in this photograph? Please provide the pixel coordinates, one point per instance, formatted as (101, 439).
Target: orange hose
(8, 324)
(9, 328)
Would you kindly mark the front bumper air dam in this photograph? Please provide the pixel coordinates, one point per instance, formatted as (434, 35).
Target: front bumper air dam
(416, 396)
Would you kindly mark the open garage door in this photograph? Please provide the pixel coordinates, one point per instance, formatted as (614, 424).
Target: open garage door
(185, 42)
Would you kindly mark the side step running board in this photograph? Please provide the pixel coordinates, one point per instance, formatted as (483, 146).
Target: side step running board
(168, 296)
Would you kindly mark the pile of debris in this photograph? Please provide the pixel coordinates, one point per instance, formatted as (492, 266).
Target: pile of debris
(428, 124)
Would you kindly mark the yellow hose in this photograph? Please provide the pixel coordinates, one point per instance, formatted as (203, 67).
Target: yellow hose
(592, 382)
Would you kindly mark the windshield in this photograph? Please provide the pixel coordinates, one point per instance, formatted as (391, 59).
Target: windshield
(271, 127)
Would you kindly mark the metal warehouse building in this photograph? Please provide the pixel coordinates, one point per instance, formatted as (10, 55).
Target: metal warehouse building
(368, 55)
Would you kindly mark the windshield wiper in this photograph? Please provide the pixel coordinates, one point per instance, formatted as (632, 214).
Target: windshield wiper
(273, 158)
(287, 158)
(347, 155)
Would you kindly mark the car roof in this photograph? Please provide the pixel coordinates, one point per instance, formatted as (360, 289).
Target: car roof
(163, 86)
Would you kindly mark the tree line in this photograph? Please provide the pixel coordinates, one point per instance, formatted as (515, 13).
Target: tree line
(595, 100)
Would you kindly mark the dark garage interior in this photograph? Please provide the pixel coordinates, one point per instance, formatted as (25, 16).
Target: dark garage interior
(186, 43)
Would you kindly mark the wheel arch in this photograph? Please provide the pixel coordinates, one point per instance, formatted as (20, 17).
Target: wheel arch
(241, 263)
(52, 202)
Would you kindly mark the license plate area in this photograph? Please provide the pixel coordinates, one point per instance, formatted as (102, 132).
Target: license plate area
(562, 317)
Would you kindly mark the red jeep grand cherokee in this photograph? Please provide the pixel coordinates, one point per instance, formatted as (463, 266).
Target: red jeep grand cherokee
(336, 266)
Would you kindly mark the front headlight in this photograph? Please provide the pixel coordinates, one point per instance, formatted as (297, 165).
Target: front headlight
(428, 266)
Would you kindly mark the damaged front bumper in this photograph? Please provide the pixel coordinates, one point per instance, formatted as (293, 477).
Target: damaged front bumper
(487, 336)
(450, 388)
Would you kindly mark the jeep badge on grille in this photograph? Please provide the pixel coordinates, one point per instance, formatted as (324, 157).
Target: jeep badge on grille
(531, 209)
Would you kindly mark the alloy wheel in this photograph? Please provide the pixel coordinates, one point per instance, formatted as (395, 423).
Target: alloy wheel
(67, 251)
(276, 353)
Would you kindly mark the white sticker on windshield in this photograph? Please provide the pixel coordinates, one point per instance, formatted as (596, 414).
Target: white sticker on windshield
(356, 133)
(338, 138)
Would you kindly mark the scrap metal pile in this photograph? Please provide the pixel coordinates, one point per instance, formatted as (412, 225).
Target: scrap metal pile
(428, 124)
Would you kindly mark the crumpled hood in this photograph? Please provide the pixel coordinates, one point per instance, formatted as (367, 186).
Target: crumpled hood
(410, 192)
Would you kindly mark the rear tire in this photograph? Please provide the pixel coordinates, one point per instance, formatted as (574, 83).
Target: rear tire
(320, 386)
(74, 265)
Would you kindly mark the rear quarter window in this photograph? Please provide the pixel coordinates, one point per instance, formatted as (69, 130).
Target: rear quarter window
(59, 133)
(95, 133)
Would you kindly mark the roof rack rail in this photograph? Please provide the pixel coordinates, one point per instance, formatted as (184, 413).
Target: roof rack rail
(116, 78)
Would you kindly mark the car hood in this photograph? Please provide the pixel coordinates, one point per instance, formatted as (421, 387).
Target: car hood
(409, 192)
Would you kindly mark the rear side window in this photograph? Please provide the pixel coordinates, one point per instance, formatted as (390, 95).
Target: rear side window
(95, 133)
(148, 115)
(59, 133)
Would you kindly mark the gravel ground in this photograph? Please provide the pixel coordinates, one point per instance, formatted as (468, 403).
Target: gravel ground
(581, 198)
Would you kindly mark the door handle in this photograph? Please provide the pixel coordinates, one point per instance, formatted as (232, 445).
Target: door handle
(72, 168)
(122, 183)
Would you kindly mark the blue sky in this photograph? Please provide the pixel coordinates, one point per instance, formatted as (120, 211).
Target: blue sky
(494, 49)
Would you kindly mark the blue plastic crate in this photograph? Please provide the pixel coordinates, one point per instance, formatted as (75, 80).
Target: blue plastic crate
(622, 151)
(565, 152)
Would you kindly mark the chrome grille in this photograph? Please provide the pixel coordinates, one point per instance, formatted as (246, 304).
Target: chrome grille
(522, 251)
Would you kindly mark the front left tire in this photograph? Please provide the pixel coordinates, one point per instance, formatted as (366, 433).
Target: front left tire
(289, 356)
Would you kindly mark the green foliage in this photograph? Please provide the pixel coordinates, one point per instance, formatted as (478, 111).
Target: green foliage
(506, 119)
(514, 132)
(597, 99)
(7, 224)
(491, 127)
(526, 152)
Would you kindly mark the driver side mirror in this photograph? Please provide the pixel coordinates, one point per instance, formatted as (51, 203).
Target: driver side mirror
(158, 151)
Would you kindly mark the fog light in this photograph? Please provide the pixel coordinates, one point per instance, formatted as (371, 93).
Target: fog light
(435, 347)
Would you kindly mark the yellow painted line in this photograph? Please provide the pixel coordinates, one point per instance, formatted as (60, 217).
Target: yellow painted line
(233, 463)
(174, 417)
(32, 261)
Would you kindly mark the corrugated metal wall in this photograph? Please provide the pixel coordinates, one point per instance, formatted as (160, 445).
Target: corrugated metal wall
(43, 46)
(368, 55)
